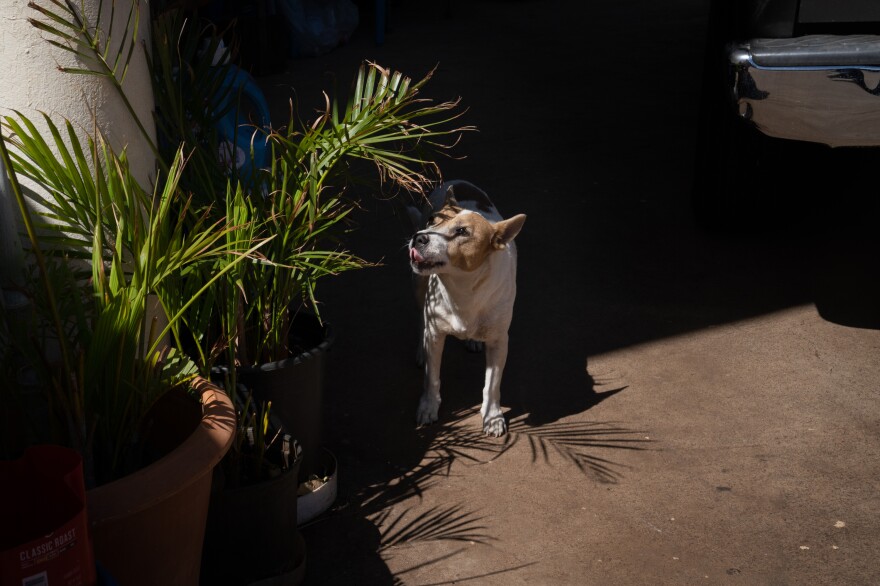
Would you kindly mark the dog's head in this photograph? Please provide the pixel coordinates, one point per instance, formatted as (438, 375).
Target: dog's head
(459, 240)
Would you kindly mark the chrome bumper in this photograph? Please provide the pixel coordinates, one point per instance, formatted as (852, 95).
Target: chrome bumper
(819, 88)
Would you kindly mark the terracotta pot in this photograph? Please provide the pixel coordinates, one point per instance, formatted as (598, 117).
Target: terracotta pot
(148, 527)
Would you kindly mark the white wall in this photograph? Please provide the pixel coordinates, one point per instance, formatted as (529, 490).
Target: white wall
(31, 82)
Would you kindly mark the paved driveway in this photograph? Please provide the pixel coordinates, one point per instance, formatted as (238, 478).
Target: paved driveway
(684, 408)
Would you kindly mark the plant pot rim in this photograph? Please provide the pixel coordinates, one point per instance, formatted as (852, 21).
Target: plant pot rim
(323, 346)
(242, 488)
(174, 472)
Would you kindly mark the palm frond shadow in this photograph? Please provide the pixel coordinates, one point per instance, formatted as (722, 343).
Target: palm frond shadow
(375, 498)
(393, 505)
(452, 523)
(459, 440)
(578, 442)
(462, 440)
(475, 578)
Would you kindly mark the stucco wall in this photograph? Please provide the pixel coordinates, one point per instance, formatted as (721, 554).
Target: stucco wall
(31, 82)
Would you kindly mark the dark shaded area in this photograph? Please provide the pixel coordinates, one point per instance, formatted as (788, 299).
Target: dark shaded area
(586, 120)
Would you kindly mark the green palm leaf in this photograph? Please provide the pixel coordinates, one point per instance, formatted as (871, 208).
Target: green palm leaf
(140, 246)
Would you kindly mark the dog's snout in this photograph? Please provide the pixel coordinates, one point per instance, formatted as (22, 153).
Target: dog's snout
(420, 239)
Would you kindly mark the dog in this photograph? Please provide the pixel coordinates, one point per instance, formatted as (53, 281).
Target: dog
(464, 261)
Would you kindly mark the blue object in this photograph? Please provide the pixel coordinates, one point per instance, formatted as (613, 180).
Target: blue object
(244, 126)
(104, 578)
(318, 26)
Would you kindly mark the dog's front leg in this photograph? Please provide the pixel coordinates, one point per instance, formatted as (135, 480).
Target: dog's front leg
(493, 419)
(421, 290)
(429, 404)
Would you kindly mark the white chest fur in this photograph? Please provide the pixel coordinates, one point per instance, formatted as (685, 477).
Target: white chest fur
(476, 305)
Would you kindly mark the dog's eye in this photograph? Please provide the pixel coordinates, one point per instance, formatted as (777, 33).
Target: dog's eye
(461, 231)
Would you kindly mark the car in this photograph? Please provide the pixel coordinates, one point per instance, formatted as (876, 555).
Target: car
(789, 88)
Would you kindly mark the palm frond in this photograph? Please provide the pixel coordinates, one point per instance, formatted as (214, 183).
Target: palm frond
(306, 205)
(140, 246)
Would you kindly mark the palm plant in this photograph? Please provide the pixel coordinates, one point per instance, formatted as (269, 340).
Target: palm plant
(190, 68)
(306, 206)
(102, 249)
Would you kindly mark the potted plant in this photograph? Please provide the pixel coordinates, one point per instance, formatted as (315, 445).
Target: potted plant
(252, 530)
(98, 339)
(103, 249)
(264, 494)
(303, 201)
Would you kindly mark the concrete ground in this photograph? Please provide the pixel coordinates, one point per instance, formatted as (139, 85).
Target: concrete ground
(684, 408)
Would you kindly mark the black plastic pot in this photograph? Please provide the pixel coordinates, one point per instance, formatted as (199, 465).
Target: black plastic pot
(251, 536)
(296, 386)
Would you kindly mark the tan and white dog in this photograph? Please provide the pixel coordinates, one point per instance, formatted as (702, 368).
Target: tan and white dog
(464, 260)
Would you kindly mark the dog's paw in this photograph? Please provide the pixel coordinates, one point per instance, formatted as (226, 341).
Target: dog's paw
(427, 411)
(474, 346)
(495, 426)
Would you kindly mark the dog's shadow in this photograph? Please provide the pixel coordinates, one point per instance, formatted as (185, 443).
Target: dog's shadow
(541, 386)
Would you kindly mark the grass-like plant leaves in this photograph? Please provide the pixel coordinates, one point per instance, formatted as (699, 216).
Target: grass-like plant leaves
(139, 247)
(306, 206)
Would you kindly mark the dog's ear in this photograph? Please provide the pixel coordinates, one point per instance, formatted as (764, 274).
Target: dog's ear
(506, 230)
(450, 196)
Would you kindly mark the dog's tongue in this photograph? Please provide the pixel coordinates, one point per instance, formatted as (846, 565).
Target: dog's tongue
(415, 256)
